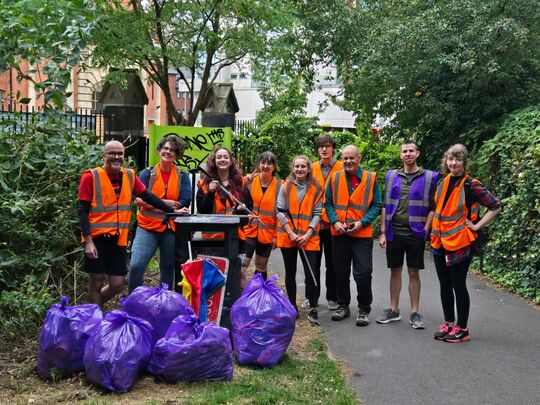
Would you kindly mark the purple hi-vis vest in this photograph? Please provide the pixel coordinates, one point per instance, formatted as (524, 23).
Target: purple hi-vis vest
(418, 201)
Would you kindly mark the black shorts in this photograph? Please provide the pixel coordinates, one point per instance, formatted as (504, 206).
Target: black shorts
(252, 245)
(409, 245)
(111, 257)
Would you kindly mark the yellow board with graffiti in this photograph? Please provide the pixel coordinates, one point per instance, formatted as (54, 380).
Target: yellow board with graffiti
(200, 142)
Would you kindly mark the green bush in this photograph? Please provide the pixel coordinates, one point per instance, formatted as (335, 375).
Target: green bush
(509, 165)
(22, 309)
(40, 167)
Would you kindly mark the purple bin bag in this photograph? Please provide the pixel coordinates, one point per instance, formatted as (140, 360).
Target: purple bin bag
(156, 305)
(192, 350)
(263, 322)
(63, 336)
(118, 351)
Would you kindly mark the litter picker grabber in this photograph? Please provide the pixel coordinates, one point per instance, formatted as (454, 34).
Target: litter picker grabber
(230, 195)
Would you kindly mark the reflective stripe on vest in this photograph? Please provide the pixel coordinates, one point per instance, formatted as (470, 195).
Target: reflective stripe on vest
(110, 214)
(302, 213)
(448, 227)
(152, 220)
(264, 204)
(319, 175)
(418, 201)
(353, 207)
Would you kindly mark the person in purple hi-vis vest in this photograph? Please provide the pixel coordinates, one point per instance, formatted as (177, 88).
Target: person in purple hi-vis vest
(405, 224)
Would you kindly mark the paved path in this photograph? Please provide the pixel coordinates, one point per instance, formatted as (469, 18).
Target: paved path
(395, 364)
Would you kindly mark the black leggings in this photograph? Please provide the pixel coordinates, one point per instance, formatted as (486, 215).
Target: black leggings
(290, 256)
(453, 280)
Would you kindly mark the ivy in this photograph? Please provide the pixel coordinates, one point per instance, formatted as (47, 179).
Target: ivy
(509, 165)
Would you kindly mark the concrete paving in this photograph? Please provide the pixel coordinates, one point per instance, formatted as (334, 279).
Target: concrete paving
(396, 364)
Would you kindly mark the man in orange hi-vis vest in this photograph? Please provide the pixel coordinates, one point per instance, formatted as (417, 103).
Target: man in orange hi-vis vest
(352, 202)
(105, 195)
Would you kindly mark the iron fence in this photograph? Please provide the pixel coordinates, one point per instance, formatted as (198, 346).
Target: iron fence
(87, 119)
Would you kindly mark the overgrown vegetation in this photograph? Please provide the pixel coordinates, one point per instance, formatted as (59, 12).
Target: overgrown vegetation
(509, 164)
(40, 253)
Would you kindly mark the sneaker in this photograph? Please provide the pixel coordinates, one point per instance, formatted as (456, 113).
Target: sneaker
(388, 316)
(457, 335)
(362, 319)
(341, 313)
(313, 317)
(305, 304)
(444, 329)
(332, 305)
(416, 321)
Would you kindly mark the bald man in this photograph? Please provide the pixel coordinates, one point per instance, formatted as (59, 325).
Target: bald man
(353, 201)
(105, 198)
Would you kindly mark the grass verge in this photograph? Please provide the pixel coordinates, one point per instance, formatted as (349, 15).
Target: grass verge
(305, 376)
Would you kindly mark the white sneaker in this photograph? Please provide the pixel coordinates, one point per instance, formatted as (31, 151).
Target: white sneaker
(332, 305)
(305, 304)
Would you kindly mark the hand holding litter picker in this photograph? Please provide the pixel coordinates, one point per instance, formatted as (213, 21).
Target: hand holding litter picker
(302, 251)
(236, 200)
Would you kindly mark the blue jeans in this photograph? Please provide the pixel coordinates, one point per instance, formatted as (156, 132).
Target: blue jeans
(143, 248)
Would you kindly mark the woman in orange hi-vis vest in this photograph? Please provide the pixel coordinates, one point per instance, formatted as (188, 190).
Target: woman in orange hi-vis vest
(261, 234)
(171, 184)
(211, 199)
(454, 230)
(299, 209)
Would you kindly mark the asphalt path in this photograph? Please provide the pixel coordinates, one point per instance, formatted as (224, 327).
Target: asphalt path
(396, 364)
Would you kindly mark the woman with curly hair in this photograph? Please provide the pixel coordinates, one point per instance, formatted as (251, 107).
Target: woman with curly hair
(299, 210)
(172, 185)
(211, 199)
(455, 228)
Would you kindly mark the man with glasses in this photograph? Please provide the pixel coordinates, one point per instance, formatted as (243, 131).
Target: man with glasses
(322, 170)
(171, 184)
(405, 223)
(105, 195)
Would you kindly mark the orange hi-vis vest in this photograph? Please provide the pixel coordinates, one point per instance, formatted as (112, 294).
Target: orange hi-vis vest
(264, 205)
(319, 175)
(110, 215)
(302, 213)
(220, 208)
(152, 220)
(448, 228)
(353, 207)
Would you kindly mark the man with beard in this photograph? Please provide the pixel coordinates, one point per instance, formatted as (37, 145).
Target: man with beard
(105, 197)
(405, 223)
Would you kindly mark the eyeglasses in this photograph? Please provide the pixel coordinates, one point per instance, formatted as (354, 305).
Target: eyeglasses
(115, 154)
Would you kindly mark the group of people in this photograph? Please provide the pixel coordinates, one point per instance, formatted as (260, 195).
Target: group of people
(326, 206)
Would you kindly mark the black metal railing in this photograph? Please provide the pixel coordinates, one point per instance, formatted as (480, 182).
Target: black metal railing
(14, 120)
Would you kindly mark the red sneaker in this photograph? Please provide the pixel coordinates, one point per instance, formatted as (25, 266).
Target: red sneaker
(444, 329)
(457, 335)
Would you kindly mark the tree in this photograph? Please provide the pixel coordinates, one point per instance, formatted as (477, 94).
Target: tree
(442, 71)
(197, 39)
(50, 35)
